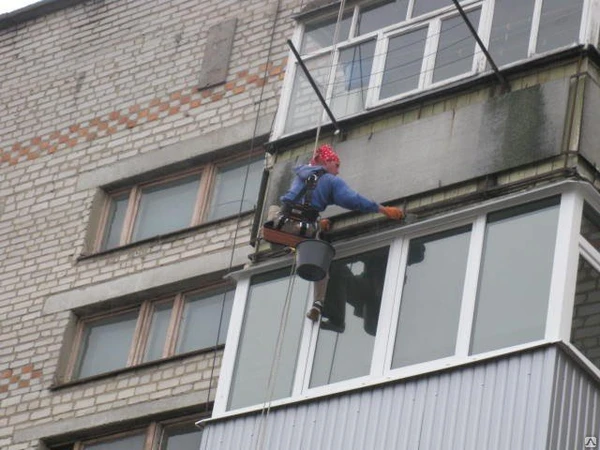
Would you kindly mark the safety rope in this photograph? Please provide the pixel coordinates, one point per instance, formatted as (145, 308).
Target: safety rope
(274, 370)
(243, 194)
(331, 64)
(266, 409)
(285, 312)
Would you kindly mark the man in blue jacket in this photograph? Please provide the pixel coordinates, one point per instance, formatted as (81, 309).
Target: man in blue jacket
(316, 186)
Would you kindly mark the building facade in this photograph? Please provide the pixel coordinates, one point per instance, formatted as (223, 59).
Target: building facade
(127, 130)
(144, 144)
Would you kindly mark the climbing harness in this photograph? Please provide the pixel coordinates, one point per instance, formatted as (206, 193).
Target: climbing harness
(298, 219)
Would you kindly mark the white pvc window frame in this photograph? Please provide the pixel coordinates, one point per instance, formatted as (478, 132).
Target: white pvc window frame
(589, 32)
(559, 306)
(582, 249)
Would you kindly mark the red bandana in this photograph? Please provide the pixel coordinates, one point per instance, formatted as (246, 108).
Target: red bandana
(325, 153)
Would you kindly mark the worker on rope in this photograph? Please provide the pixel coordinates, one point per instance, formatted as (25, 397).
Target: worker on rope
(316, 186)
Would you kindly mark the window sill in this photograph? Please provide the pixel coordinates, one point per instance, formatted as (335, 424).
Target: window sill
(101, 376)
(164, 237)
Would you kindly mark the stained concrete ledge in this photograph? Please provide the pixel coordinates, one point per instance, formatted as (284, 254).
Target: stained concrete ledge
(232, 136)
(111, 417)
(129, 285)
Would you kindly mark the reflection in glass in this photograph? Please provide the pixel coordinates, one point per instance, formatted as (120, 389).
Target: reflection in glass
(305, 107)
(320, 35)
(116, 218)
(511, 27)
(381, 15)
(514, 279)
(257, 350)
(229, 187)
(426, 6)
(456, 47)
(166, 208)
(585, 332)
(161, 317)
(352, 79)
(345, 342)
(431, 297)
(181, 438)
(403, 63)
(106, 343)
(559, 24)
(204, 317)
(125, 443)
(590, 226)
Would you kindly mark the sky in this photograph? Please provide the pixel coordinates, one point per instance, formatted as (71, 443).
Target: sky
(11, 5)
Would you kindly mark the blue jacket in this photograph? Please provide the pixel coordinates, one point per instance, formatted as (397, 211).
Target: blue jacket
(330, 190)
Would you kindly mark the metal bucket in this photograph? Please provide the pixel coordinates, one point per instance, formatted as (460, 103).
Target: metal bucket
(313, 258)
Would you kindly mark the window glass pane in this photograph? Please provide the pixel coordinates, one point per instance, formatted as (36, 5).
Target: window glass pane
(590, 226)
(229, 188)
(204, 317)
(559, 24)
(181, 438)
(259, 339)
(114, 223)
(381, 15)
(320, 35)
(352, 79)
(456, 48)
(403, 63)
(514, 279)
(158, 330)
(166, 208)
(125, 443)
(345, 342)
(305, 107)
(425, 6)
(511, 28)
(585, 332)
(431, 297)
(106, 344)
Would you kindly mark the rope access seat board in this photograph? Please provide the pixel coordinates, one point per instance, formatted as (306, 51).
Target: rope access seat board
(279, 237)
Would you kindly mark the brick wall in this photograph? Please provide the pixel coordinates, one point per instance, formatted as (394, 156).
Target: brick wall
(84, 87)
(585, 332)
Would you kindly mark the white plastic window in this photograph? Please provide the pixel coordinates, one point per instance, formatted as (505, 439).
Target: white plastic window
(428, 300)
(264, 341)
(388, 50)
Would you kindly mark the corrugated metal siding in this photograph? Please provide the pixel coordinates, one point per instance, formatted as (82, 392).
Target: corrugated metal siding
(501, 404)
(575, 407)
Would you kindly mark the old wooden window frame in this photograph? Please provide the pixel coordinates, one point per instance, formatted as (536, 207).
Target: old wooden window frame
(154, 432)
(206, 174)
(142, 329)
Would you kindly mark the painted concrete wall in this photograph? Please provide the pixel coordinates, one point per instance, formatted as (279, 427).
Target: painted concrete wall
(401, 158)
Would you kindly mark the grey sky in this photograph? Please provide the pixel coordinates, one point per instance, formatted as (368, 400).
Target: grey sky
(11, 5)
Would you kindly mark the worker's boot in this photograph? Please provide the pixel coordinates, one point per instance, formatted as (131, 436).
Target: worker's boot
(315, 311)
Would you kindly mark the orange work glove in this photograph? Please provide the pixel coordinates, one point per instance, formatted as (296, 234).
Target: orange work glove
(392, 212)
(325, 224)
